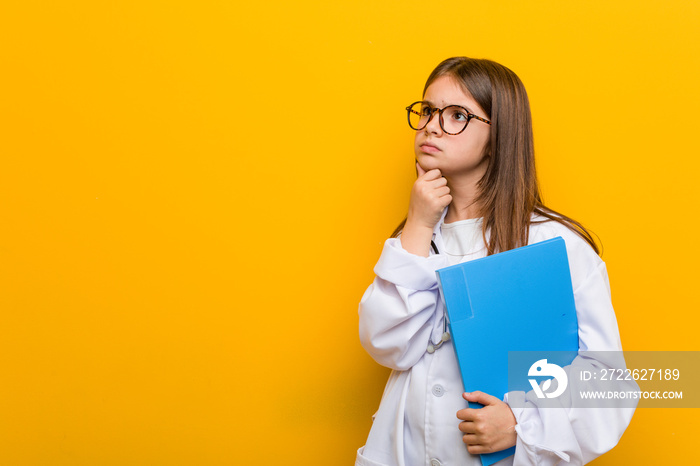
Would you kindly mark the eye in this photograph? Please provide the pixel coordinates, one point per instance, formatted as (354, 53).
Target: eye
(461, 115)
(457, 114)
(425, 110)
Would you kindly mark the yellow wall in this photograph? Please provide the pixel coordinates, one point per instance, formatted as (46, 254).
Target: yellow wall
(193, 196)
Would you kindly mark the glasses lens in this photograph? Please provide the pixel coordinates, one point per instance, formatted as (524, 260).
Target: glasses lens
(454, 119)
(418, 115)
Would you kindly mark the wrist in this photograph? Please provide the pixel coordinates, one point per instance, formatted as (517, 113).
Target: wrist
(416, 238)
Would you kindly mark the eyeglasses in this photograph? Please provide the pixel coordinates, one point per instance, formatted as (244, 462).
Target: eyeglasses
(453, 118)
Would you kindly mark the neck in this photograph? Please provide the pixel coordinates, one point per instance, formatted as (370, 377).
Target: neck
(464, 203)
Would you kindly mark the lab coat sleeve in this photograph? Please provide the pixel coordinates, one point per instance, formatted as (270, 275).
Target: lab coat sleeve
(570, 434)
(398, 311)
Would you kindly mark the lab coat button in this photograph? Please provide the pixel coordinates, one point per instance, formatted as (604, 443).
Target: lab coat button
(435, 462)
(438, 390)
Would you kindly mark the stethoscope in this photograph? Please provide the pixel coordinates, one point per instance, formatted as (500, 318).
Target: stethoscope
(445, 334)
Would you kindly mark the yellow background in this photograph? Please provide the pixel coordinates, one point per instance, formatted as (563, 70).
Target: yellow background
(193, 196)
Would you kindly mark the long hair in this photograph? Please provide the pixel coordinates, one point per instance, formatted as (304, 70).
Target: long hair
(508, 192)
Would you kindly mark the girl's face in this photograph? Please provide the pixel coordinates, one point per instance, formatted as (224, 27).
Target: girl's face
(462, 157)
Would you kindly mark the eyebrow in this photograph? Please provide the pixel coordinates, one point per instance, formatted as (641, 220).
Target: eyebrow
(459, 105)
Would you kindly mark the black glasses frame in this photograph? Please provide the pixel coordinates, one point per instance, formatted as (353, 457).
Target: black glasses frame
(434, 110)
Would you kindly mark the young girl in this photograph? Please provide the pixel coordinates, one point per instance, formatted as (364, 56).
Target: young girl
(476, 195)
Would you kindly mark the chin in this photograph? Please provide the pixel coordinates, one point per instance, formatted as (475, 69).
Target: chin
(427, 162)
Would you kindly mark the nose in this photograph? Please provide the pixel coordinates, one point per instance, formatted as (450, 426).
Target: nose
(434, 126)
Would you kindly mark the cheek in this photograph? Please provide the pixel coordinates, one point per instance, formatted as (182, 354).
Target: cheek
(472, 149)
(480, 143)
(487, 142)
(485, 148)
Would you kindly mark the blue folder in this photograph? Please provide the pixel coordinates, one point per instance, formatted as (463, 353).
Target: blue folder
(518, 300)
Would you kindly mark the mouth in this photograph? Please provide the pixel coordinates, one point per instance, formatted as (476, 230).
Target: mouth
(429, 148)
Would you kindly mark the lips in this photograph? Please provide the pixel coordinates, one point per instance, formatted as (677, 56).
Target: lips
(429, 148)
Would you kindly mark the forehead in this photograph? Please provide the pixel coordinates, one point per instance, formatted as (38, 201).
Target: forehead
(445, 90)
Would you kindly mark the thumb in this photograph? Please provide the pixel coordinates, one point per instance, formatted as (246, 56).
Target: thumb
(481, 397)
(420, 170)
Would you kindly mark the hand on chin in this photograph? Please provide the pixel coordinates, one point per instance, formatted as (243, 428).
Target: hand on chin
(427, 162)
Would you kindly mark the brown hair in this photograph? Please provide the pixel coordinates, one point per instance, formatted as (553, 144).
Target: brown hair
(508, 191)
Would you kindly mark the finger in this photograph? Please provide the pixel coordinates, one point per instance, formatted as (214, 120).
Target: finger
(468, 427)
(444, 191)
(467, 414)
(431, 175)
(442, 181)
(476, 449)
(419, 170)
(481, 397)
(437, 182)
(471, 439)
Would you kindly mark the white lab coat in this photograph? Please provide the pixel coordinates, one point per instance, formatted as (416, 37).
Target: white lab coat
(416, 422)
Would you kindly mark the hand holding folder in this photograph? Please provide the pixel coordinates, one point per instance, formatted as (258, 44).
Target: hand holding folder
(518, 300)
